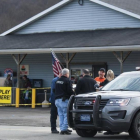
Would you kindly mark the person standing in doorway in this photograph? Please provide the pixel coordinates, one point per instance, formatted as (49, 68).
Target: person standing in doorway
(101, 77)
(54, 113)
(85, 84)
(109, 77)
(63, 91)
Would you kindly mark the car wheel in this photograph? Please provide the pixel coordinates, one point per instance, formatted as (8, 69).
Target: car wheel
(134, 131)
(86, 132)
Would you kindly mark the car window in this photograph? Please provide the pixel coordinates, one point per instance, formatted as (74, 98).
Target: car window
(131, 83)
(134, 84)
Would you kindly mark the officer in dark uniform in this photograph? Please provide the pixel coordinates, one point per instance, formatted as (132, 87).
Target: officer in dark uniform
(63, 91)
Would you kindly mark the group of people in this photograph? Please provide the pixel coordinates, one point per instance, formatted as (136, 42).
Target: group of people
(24, 82)
(61, 90)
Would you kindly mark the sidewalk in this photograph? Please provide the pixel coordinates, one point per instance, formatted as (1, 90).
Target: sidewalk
(25, 116)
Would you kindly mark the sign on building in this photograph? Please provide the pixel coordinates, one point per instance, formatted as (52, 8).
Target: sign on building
(8, 72)
(24, 69)
(5, 95)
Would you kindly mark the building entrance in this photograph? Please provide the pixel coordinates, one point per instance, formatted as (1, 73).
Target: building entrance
(96, 68)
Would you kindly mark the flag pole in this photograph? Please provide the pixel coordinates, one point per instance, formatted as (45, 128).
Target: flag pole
(57, 58)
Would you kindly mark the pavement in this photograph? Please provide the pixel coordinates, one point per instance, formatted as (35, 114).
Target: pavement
(25, 116)
(43, 133)
(25, 123)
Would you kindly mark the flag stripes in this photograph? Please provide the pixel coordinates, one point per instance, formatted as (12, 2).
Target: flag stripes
(55, 64)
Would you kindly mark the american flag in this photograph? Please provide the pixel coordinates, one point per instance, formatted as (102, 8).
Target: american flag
(55, 64)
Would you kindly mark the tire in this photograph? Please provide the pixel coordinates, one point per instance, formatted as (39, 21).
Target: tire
(86, 132)
(134, 131)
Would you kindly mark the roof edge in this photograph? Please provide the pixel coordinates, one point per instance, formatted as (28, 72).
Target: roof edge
(72, 50)
(116, 8)
(39, 15)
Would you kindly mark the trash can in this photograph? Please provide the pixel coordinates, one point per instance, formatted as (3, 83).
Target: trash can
(40, 96)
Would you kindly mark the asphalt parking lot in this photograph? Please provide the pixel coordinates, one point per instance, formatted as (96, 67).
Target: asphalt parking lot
(34, 124)
(25, 116)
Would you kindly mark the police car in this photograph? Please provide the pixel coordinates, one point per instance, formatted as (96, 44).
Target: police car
(116, 108)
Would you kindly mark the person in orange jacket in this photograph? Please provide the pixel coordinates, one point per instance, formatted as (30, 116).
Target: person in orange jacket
(101, 77)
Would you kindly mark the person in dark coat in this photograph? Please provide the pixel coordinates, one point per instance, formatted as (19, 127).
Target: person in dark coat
(54, 113)
(78, 78)
(85, 84)
(63, 91)
(8, 81)
(26, 82)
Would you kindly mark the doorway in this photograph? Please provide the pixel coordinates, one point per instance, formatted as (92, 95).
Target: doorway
(96, 68)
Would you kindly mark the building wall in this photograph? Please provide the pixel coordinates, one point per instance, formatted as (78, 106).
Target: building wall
(73, 17)
(131, 62)
(41, 68)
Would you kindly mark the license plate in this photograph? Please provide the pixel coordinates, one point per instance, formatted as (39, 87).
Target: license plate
(85, 117)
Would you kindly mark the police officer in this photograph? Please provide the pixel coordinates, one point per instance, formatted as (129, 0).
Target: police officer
(63, 91)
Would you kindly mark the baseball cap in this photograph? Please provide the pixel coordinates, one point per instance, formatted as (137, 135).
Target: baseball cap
(102, 69)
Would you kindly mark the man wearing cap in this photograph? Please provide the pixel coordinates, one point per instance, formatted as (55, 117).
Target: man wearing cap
(101, 77)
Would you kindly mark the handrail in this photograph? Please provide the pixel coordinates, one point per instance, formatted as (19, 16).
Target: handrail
(18, 94)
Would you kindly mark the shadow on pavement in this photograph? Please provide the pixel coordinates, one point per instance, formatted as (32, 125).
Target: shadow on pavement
(98, 137)
(115, 137)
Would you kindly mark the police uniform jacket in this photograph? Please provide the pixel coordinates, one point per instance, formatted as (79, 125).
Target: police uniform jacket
(63, 88)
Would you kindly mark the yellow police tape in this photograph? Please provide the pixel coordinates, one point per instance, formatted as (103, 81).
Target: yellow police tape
(26, 104)
(36, 88)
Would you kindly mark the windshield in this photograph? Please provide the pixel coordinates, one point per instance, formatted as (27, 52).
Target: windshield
(124, 83)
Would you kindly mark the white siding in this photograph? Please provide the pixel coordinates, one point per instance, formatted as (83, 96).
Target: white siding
(73, 17)
(41, 68)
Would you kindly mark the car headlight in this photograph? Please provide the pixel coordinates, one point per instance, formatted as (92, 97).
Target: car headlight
(118, 102)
